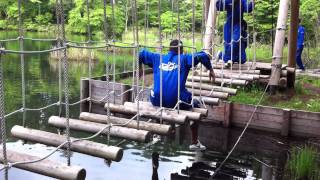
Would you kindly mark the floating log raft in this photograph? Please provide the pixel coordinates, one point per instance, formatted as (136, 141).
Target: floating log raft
(219, 80)
(212, 94)
(122, 132)
(210, 87)
(208, 100)
(87, 147)
(149, 107)
(161, 129)
(45, 167)
(168, 116)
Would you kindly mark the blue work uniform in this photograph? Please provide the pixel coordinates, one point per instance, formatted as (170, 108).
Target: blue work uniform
(170, 71)
(232, 41)
(300, 45)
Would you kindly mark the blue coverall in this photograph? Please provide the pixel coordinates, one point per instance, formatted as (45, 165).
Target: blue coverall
(231, 49)
(300, 45)
(170, 76)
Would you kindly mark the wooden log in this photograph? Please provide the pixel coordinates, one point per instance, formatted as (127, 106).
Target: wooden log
(279, 44)
(212, 94)
(219, 80)
(87, 147)
(122, 132)
(166, 115)
(230, 75)
(211, 87)
(283, 82)
(161, 129)
(45, 167)
(208, 100)
(251, 71)
(202, 111)
(147, 106)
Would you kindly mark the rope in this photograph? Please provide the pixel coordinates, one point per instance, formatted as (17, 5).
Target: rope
(241, 135)
(66, 78)
(59, 44)
(3, 120)
(161, 60)
(107, 65)
(23, 88)
(91, 52)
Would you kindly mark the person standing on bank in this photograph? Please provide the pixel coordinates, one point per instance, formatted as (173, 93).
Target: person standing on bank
(235, 30)
(170, 76)
(300, 46)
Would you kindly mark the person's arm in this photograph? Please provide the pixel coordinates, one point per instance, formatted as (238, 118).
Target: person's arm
(203, 58)
(248, 6)
(148, 58)
(302, 35)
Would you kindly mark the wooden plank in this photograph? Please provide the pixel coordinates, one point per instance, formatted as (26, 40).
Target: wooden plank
(260, 109)
(305, 115)
(227, 115)
(270, 118)
(285, 122)
(216, 113)
(84, 93)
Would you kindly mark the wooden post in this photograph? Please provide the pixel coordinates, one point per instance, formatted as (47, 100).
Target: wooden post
(286, 122)
(278, 45)
(84, 93)
(227, 114)
(45, 167)
(293, 36)
(87, 147)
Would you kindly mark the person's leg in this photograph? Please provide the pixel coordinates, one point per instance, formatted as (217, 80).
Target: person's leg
(298, 58)
(194, 132)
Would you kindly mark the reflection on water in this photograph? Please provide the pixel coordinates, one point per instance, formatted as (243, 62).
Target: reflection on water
(175, 161)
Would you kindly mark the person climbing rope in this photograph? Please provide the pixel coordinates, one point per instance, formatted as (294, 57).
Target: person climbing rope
(235, 30)
(300, 46)
(170, 76)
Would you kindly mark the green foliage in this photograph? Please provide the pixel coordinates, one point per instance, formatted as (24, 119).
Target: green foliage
(303, 163)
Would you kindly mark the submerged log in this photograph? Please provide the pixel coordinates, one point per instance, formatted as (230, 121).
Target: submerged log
(161, 129)
(219, 80)
(212, 94)
(166, 115)
(147, 106)
(208, 100)
(122, 132)
(45, 167)
(210, 87)
(87, 147)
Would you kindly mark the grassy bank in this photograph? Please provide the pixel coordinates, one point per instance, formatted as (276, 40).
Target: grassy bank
(306, 96)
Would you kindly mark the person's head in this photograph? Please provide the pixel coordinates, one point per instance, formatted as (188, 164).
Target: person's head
(175, 45)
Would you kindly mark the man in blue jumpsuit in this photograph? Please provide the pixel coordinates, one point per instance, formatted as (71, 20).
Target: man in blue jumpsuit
(236, 37)
(300, 45)
(170, 71)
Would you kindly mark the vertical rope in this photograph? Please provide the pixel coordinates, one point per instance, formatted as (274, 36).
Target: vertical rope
(107, 65)
(59, 44)
(240, 37)
(113, 51)
(3, 121)
(66, 80)
(161, 59)
(21, 44)
(146, 5)
(137, 62)
(179, 58)
(193, 46)
(134, 54)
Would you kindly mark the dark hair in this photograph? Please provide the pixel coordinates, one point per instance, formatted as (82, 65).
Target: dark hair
(176, 45)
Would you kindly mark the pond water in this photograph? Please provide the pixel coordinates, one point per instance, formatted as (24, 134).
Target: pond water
(258, 154)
